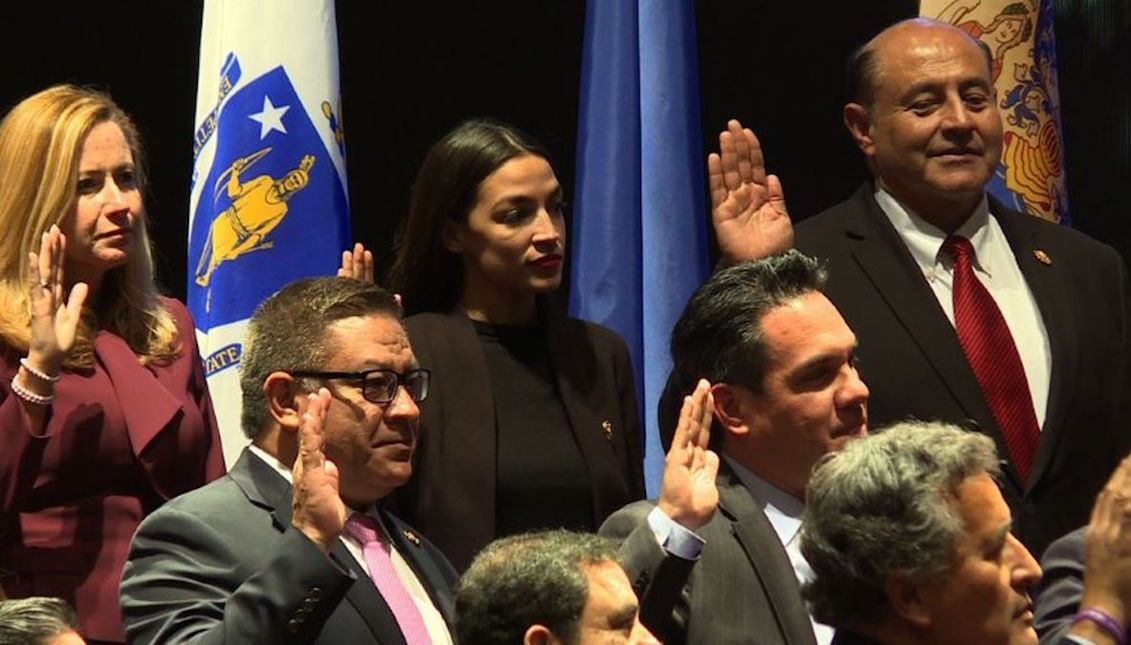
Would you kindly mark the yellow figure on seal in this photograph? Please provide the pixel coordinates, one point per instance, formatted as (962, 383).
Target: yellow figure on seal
(258, 206)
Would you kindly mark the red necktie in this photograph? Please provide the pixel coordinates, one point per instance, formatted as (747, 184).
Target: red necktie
(993, 356)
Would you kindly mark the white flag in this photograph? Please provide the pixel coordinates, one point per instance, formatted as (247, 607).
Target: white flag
(268, 200)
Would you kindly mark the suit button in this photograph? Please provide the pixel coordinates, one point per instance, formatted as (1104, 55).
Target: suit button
(309, 604)
(293, 625)
(315, 593)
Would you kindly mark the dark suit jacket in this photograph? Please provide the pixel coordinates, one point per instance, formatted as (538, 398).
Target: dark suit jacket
(912, 362)
(121, 439)
(1057, 598)
(451, 496)
(223, 564)
(741, 590)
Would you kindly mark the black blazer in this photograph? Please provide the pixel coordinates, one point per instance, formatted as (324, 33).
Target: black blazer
(451, 496)
(223, 564)
(914, 366)
(742, 589)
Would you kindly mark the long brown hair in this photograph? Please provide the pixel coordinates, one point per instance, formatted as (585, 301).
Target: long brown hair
(41, 143)
(428, 276)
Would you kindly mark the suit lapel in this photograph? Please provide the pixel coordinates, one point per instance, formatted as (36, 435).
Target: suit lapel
(767, 556)
(574, 374)
(133, 383)
(427, 570)
(884, 258)
(266, 488)
(1056, 312)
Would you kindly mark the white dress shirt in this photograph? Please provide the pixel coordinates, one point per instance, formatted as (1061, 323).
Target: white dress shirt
(784, 513)
(996, 268)
(433, 619)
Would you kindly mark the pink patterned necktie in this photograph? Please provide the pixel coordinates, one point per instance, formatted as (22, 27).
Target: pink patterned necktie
(364, 529)
(993, 357)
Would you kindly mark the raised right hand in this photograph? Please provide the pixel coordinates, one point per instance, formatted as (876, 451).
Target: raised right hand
(1107, 562)
(54, 324)
(747, 205)
(357, 264)
(688, 493)
(317, 507)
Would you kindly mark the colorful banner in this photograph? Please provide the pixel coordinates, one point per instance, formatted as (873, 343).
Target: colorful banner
(1019, 34)
(639, 244)
(268, 199)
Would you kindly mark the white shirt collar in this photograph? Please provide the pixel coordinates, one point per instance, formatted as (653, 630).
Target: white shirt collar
(285, 472)
(924, 240)
(272, 461)
(782, 509)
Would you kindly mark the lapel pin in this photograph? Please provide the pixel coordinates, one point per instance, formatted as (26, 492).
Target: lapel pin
(411, 537)
(607, 428)
(1042, 257)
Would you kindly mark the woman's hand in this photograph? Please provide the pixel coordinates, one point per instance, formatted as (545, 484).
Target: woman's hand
(54, 323)
(357, 264)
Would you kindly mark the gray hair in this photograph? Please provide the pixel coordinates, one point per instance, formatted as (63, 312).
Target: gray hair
(34, 621)
(528, 579)
(883, 506)
(287, 332)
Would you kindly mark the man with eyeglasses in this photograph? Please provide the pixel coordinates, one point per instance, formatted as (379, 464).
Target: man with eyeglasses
(292, 544)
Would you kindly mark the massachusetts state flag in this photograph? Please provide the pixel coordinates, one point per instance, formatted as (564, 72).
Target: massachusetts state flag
(639, 230)
(268, 200)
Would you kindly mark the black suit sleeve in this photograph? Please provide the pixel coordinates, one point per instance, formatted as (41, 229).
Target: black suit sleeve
(1062, 586)
(183, 584)
(658, 578)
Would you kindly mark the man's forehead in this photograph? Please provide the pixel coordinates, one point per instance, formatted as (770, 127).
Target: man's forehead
(375, 340)
(920, 42)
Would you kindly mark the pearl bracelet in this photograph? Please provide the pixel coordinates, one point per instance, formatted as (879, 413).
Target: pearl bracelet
(39, 374)
(29, 396)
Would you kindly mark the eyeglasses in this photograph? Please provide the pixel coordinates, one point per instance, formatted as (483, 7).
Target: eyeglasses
(380, 385)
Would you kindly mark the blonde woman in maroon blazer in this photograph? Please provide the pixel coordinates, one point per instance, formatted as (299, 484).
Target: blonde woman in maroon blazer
(104, 413)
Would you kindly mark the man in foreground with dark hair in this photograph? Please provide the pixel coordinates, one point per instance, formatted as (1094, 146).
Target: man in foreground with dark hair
(785, 392)
(909, 540)
(38, 621)
(545, 588)
(292, 546)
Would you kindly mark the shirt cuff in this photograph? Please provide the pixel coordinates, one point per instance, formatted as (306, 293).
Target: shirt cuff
(674, 538)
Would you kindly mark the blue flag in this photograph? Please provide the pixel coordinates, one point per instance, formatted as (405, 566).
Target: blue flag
(268, 202)
(639, 230)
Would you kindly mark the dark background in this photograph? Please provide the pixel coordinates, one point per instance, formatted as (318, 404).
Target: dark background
(412, 70)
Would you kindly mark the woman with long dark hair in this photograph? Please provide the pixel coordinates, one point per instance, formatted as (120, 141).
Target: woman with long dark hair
(531, 422)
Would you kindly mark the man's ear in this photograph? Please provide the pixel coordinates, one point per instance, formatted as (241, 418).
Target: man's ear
(539, 635)
(859, 123)
(909, 601)
(451, 236)
(731, 407)
(283, 400)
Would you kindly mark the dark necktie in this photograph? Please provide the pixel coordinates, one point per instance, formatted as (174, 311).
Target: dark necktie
(993, 356)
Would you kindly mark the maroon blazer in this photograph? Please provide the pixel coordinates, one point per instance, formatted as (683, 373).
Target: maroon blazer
(451, 496)
(121, 438)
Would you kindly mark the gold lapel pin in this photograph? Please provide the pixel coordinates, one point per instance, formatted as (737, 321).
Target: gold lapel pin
(1042, 257)
(411, 537)
(607, 428)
